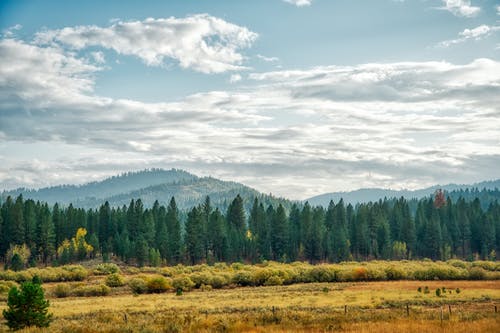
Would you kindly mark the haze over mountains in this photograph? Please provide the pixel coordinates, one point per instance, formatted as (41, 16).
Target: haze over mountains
(189, 190)
(148, 185)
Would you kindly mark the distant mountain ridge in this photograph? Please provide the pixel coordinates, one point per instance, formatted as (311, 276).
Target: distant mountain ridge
(149, 186)
(374, 194)
(189, 190)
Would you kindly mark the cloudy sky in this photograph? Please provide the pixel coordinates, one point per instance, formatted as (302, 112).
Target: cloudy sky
(293, 97)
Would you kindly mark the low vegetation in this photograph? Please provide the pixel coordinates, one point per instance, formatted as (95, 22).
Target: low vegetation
(269, 297)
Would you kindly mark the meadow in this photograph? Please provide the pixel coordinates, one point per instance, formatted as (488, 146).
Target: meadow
(377, 296)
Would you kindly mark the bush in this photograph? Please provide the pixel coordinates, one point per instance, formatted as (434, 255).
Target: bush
(5, 286)
(274, 280)
(438, 292)
(115, 280)
(138, 285)
(158, 284)
(27, 307)
(62, 290)
(243, 278)
(92, 290)
(183, 283)
(477, 273)
(106, 269)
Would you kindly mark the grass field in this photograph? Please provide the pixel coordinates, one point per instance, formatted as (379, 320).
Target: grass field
(361, 306)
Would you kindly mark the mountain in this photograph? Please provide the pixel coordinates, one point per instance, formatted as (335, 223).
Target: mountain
(374, 194)
(149, 185)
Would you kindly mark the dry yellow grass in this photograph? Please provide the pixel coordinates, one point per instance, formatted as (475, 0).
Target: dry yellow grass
(315, 307)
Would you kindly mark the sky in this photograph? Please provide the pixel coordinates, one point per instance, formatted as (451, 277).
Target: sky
(291, 97)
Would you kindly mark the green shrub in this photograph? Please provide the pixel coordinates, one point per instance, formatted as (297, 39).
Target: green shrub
(183, 283)
(106, 269)
(158, 284)
(138, 285)
(426, 290)
(62, 290)
(438, 292)
(92, 290)
(115, 280)
(457, 290)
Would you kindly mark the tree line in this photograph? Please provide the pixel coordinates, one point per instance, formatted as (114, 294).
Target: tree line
(32, 232)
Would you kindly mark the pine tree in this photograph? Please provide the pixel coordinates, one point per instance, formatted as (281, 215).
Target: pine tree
(27, 307)
(46, 236)
(194, 236)
(279, 234)
(173, 233)
(236, 219)
(217, 234)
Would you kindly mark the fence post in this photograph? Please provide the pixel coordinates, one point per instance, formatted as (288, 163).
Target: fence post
(345, 309)
(407, 310)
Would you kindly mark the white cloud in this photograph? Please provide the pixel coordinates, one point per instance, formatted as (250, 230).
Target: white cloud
(498, 10)
(461, 8)
(477, 33)
(10, 32)
(299, 3)
(98, 57)
(235, 78)
(294, 133)
(267, 59)
(200, 42)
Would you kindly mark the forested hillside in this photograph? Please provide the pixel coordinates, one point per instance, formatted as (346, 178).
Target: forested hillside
(468, 192)
(34, 232)
(148, 186)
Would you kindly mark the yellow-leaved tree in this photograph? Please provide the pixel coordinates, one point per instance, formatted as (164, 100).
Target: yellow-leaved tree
(76, 249)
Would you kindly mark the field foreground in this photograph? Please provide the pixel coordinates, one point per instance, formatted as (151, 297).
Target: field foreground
(314, 307)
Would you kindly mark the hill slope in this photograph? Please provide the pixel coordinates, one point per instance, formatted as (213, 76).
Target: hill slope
(374, 194)
(149, 185)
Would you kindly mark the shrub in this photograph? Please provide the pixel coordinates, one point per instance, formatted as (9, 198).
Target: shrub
(205, 287)
(243, 278)
(106, 269)
(426, 290)
(322, 274)
(218, 281)
(183, 283)
(360, 273)
(419, 289)
(115, 280)
(477, 273)
(158, 284)
(457, 290)
(438, 292)
(5, 286)
(274, 280)
(62, 290)
(138, 285)
(27, 307)
(92, 290)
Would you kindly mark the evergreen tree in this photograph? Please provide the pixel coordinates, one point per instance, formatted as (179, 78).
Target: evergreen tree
(27, 307)
(194, 236)
(46, 236)
(279, 237)
(173, 233)
(217, 234)
(294, 233)
(236, 219)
